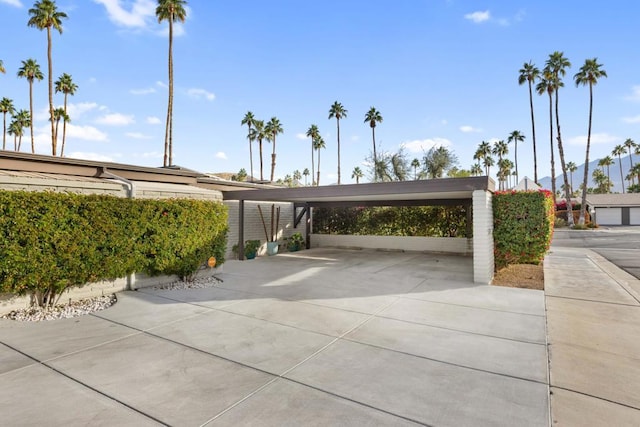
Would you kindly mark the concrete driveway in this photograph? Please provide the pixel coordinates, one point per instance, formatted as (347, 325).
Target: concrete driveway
(319, 337)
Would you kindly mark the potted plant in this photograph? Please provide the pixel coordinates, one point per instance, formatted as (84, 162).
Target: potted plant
(295, 242)
(251, 248)
(272, 238)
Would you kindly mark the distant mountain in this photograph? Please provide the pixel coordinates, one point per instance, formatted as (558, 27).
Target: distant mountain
(578, 175)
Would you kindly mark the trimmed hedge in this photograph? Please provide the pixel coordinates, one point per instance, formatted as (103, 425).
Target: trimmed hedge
(522, 226)
(54, 241)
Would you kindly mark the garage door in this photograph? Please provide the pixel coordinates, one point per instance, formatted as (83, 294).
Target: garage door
(634, 216)
(609, 216)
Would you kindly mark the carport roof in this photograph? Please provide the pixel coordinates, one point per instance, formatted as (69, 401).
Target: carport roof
(613, 200)
(445, 189)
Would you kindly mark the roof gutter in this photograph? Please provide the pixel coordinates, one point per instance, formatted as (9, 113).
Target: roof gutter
(104, 173)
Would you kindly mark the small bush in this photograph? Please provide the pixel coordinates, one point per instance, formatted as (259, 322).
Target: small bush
(523, 227)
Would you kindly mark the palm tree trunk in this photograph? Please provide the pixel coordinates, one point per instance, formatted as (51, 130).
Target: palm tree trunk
(53, 136)
(533, 133)
(251, 154)
(261, 167)
(621, 174)
(563, 165)
(313, 170)
(4, 131)
(375, 158)
(585, 179)
(553, 163)
(273, 158)
(170, 90)
(33, 145)
(516, 159)
(338, 125)
(64, 125)
(318, 180)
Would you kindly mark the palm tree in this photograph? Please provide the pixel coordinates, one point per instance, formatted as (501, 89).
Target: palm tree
(65, 85)
(606, 162)
(171, 11)
(22, 119)
(297, 176)
(557, 65)
(2, 70)
(529, 73)
(15, 130)
(59, 114)
(249, 120)
(6, 106)
(476, 169)
(619, 150)
(45, 15)
(258, 133)
(338, 112)
(415, 164)
(516, 137)
(630, 144)
(357, 174)
(314, 134)
(272, 129)
(373, 117)
(305, 172)
(318, 146)
(30, 70)
(500, 149)
(588, 74)
(571, 168)
(547, 85)
(487, 162)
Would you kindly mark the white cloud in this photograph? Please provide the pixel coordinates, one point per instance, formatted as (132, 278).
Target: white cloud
(355, 138)
(138, 15)
(478, 16)
(469, 129)
(87, 133)
(421, 145)
(301, 136)
(178, 30)
(15, 3)
(145, 91)
(221, 155)
(75, 111)
(152, 120)
(201, 93)
(635, 94)
(137, 135)
(596, 138)
(444, 122)
(115, 119)
(162, 84)
(152, 155)
(90, 156)
(634, 119)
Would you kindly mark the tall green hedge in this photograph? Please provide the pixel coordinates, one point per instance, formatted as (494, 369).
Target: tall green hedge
(522, 226)
(52, 241)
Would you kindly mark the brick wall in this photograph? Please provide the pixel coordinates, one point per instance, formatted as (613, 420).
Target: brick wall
(483, 262)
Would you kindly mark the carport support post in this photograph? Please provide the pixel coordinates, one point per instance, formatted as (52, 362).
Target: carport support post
(241, 230)
(483, 262)
(307, 229)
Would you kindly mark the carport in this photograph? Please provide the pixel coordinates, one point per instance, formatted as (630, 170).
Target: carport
(471, 192)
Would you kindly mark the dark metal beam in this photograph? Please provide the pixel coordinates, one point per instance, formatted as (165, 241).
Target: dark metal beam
(241, 230)
(298, 217)
(369, 203)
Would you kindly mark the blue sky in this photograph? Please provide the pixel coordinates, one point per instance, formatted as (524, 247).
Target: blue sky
(440, 72)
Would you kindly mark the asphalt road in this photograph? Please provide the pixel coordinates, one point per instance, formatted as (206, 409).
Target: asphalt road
(619, 245)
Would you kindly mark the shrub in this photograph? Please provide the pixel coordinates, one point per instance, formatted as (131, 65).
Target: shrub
(522, 226)
(52, 241)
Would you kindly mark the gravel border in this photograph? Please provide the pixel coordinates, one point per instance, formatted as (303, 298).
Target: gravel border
(62, 311)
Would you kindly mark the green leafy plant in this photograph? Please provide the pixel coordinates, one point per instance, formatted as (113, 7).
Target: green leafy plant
(295, 242)
(251, 248)
(522, 227)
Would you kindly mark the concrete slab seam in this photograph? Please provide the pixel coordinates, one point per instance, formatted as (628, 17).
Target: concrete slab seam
(472, 306)
(596, 397)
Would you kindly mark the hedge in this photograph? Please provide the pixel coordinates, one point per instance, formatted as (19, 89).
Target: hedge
(54, 241)
(522, 226)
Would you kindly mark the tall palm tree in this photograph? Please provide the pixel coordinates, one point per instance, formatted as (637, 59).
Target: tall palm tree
(297, 176)
(373, 117)
(15, 130)
(6, 106)
(516, 137)
(318, 146)
(305, 172)
(45, 15)
(529, 73)
(588, 74)
(487, 162)
(357, 174)
(547, 85)
(249, 120)
(476, 169)
(415, 164)
(314, 134)
(631, 145)
(619, 150)
(571, 168)
(22, 120)
(59, 114)
(65, 85)
(273, 128)
(338, 112)
(258, 133)
(557, 65)
(170, 11)
(30, 70)
(500, 149)
(483, 153)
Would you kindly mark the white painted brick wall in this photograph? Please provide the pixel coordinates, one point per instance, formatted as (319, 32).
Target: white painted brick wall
(483, 262)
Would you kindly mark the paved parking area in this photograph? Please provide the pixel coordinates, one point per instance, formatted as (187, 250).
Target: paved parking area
(319, 337)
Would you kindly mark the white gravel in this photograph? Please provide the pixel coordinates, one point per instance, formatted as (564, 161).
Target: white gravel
(62, 311)
(198, 283)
